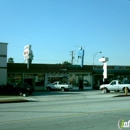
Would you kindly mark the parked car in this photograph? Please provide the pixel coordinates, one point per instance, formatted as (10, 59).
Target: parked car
(26, 89)
(7, 89)
(17, 89)
(114, 85)
(57, 85)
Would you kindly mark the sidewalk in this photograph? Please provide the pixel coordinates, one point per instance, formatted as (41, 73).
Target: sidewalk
(12, 99)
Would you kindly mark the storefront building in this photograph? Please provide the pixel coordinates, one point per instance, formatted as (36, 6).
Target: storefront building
(39, 75)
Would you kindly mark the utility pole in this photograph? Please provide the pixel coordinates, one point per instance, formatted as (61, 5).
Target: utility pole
(72, 56)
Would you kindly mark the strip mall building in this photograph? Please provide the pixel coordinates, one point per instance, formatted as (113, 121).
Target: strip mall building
(38, 75)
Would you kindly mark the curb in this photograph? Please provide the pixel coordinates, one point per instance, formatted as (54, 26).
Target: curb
(121, 95)
(13, 100)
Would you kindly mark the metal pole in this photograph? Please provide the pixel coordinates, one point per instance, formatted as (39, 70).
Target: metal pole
(27, 63)
(94, 57)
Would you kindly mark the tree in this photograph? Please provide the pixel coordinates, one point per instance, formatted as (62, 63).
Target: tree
(10, 60)
(66, 63)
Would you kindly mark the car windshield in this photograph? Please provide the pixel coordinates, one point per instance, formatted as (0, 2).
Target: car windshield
(113, 83)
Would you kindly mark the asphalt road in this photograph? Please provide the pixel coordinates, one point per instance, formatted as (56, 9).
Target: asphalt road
(88, 110)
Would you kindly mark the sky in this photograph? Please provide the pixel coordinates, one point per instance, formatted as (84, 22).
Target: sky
(55, 28)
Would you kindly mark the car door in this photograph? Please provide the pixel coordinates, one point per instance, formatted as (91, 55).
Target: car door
(55, 86)
(113, 86)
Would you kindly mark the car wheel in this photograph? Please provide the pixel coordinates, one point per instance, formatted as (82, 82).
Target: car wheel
(104, 90)
(48, 88)
(20, 93)
(24, 94)
(108, 91)
(62, 89)
(67, 90)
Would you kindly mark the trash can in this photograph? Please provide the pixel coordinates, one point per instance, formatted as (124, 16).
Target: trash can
(81, 84)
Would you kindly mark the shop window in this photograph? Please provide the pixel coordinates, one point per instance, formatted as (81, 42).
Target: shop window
(39, 79)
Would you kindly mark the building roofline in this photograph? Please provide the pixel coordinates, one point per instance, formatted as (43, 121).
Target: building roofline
(3, 43)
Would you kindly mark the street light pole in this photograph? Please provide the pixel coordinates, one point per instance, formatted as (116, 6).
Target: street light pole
(95, 56)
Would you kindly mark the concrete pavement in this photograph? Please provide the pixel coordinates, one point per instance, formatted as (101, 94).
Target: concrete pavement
(54, 95)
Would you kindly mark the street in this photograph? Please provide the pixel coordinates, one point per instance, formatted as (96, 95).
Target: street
(74, 110)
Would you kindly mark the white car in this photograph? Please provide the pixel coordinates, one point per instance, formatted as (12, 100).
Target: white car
(114, 85)
(58, 85)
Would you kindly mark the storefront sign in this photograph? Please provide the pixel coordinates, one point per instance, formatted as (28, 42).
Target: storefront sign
(113, 67)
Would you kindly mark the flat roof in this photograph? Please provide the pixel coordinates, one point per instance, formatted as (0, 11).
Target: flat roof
(3, 43)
